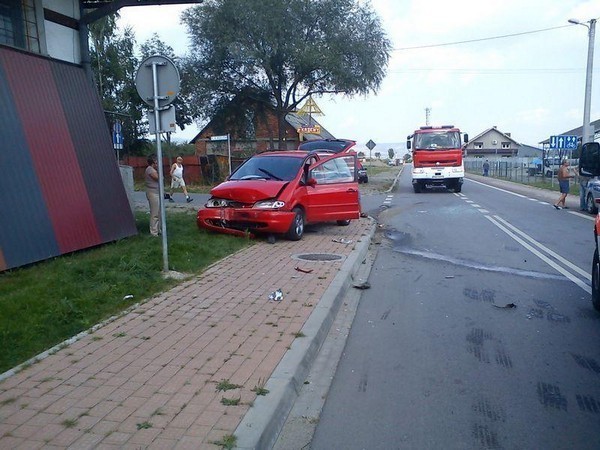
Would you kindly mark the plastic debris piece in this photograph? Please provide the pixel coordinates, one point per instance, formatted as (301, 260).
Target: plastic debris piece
(449, 276)
(277, 295)
(127, 297)
(303, 270)
(343, 241)
(363, 285)
(507, 306)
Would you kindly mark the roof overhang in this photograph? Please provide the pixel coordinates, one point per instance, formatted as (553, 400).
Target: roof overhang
(101, 8)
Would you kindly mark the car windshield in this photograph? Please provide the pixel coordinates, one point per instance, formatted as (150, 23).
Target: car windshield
(437, 140)
(281, 168)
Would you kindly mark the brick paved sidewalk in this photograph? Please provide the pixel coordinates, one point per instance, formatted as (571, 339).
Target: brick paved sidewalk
(150, 378)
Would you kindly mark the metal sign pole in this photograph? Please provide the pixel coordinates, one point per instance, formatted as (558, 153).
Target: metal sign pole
(161, 188)
(229, 152)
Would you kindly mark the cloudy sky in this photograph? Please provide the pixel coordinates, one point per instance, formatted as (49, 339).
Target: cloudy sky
(458, 59)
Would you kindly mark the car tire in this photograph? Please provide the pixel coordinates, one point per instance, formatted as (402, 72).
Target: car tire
(417, 188)
(457, 187)
(366, 180)
(591, 205)
(596, 281)
(296, 230)
(343, 223)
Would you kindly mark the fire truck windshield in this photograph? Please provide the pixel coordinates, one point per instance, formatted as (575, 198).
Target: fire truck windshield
(437, 140)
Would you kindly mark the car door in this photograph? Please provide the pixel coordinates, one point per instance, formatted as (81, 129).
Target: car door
(333, 189)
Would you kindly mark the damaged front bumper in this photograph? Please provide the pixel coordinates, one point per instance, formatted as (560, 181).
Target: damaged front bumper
(244, 221)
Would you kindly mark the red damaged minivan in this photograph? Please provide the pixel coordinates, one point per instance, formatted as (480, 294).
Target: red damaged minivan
(279, 192)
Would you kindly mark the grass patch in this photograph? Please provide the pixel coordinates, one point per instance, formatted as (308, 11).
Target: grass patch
(231, 401)
(69, 423)
(225, 385)
(43, 304)
(227, 442)
(260, 389)
(144, 425)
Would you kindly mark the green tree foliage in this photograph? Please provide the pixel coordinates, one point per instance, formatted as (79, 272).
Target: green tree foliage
(279, 52)
(390, 153)
(114, 64)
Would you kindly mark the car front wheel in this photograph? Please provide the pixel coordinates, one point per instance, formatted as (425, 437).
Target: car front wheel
(343, 223)
(596, 281)
(297, 227)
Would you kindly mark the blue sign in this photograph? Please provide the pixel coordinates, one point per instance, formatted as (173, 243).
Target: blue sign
(563, 141)
(117, 135)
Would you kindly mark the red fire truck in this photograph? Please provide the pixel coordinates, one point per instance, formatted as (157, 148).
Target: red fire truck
(437, 156)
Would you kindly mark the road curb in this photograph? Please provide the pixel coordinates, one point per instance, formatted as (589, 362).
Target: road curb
(260, 427)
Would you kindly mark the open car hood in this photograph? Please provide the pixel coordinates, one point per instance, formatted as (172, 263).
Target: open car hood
(248, 191)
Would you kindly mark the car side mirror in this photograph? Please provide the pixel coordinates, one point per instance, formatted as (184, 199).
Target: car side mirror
(311, 182)
(589, 160)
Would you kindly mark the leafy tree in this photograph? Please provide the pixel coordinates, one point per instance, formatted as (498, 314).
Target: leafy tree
(114, 65)
(390, 153)
(378, 155)
(279, 52)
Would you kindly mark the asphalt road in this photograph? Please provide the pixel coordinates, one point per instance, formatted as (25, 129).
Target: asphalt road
(478, 330)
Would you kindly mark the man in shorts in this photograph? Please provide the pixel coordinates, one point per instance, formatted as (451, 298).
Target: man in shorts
(177, 179)
(563, 183)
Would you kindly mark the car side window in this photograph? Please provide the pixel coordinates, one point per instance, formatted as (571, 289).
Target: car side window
(335, 170)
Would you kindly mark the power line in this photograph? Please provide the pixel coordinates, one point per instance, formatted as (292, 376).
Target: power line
(569, 70)
(481, 39)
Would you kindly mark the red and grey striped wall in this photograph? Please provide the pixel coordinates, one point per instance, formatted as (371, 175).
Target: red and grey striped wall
(60, 185)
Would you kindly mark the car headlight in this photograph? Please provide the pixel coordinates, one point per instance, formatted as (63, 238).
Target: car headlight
(269, 204)
(217, 203)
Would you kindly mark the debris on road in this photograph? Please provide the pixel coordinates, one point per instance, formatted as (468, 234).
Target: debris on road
(303, 270)
(507, 306)
(342, 241)
(363, 285)
(277, 295)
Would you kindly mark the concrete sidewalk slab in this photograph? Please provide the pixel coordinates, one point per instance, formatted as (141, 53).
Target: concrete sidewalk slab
(181, 369)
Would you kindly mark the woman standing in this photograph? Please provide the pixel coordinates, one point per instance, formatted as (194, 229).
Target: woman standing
(152, 194)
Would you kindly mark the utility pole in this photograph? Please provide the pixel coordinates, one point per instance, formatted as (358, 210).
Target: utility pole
(588, 133)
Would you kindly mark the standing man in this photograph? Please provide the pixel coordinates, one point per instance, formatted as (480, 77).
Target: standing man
(177, 179)
(563, 183)
(583, 182)
(486, 168)
(152, 194)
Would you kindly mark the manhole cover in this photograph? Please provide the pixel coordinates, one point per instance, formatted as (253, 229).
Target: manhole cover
(318, 257)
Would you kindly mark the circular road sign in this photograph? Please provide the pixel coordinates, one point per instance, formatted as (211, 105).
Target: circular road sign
(167, 80)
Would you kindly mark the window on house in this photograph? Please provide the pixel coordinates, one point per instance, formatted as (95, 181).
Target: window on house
(478, 145)
(506, 145)
(18, 24)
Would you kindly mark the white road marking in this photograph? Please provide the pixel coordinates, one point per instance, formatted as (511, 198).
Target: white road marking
(524, 239)
(497, 221)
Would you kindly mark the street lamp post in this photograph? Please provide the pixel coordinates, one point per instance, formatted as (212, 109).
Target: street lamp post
(587, 134)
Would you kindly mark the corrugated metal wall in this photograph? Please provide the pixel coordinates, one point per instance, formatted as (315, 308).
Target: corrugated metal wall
(60, 185)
